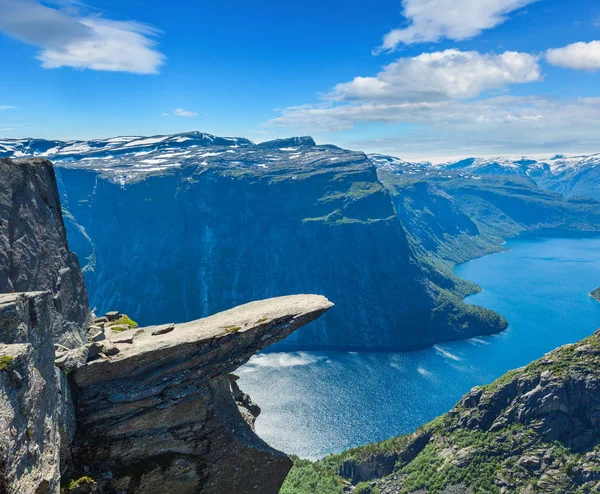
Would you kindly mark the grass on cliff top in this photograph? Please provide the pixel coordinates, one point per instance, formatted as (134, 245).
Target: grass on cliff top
(123, 320)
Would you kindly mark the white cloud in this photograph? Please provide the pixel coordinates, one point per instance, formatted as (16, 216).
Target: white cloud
(6, 107)
(180, 112)
(581, 56)
(500, 125)
(68, 38)
(433, 20)
(440, 75)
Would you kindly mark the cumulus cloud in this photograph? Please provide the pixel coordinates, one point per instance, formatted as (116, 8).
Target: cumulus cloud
(440, 75)
(68, 38)
(580, 56)
(180, 112)
(433, 20)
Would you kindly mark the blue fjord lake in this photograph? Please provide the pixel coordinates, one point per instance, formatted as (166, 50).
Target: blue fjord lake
(316, 403)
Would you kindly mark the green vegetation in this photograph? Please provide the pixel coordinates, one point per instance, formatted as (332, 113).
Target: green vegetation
(262, 319)
(596, 294)
(6, 363)
(365, 488)
(124, 320)
(80, 481)
(307, 477)
(231, 329)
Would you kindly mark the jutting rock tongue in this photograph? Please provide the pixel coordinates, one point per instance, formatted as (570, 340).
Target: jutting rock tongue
(34, 252)
(160, 415)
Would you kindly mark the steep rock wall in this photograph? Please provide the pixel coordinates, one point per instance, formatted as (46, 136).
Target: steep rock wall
(34, 252)
(188, 242)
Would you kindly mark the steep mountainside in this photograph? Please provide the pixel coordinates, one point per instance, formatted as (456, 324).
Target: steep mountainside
(441, 207)
(228, 224)
(534, 430)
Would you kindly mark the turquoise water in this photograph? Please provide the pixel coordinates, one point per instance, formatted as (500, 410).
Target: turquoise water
(316, 403)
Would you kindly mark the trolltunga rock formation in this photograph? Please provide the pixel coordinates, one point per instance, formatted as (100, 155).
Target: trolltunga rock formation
(160, 416)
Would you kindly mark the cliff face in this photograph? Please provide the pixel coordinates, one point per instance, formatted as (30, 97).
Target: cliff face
(34, 252)
(36, 418)
(147, 410)
(536, 429)
(190, 240)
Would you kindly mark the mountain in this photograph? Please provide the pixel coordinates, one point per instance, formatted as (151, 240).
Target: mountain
(216, 226)
(534, 430)
(568, 175)
(179, 227)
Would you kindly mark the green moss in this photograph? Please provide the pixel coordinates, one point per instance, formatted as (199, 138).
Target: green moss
(231, 329)
(80, 481)
(262, 319)
(123, 320)
(6, 363)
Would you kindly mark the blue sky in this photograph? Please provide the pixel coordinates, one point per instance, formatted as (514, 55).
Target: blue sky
(415, 78)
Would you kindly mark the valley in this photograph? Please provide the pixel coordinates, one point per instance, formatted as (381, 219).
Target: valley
(341, 400)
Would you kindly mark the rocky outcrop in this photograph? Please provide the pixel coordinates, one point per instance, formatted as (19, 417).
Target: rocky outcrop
(596, 294)
(534, 430)
(36, 414)
(34, 252)
(160, 415)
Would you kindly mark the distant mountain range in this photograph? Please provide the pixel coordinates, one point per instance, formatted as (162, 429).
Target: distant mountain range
(568, 175)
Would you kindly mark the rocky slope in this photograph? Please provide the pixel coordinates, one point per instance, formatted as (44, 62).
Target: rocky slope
(34, 252)
(142, 410)
(534, 430)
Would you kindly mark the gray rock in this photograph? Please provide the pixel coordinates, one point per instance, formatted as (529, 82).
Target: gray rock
(163, 330)
(112, 315)
(34, 252)
(30, 410)
(160, 415)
